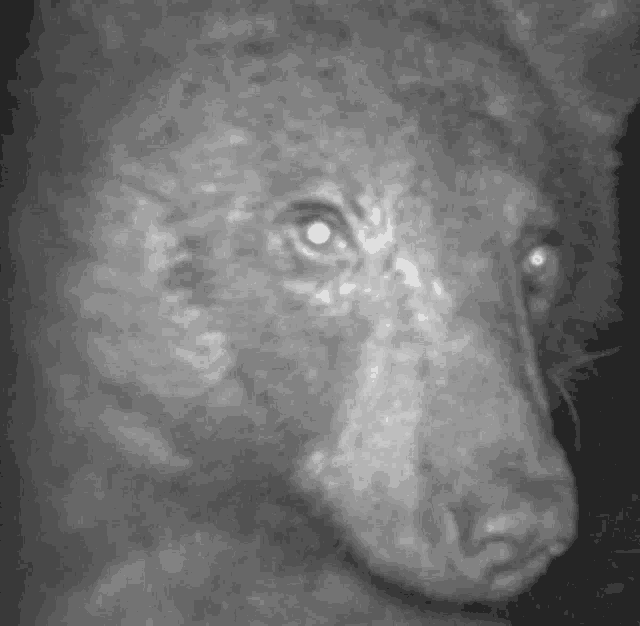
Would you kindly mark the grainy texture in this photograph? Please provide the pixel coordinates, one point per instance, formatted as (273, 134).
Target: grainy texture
(247, 428)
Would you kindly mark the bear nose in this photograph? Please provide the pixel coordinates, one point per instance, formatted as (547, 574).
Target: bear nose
(507, 548)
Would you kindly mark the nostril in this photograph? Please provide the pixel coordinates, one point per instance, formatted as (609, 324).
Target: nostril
(521, 540)
(532, 538)
(538, 530)
(501, 549)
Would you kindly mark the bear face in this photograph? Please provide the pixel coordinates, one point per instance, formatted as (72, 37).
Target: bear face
(286, 405)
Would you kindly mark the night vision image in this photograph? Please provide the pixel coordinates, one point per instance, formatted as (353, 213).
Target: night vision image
(317, 302)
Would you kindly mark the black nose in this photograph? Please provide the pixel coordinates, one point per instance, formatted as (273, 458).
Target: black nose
(503, 539)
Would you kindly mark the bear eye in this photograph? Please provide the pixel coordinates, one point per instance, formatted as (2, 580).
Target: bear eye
(314, 243)
(319, 231)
